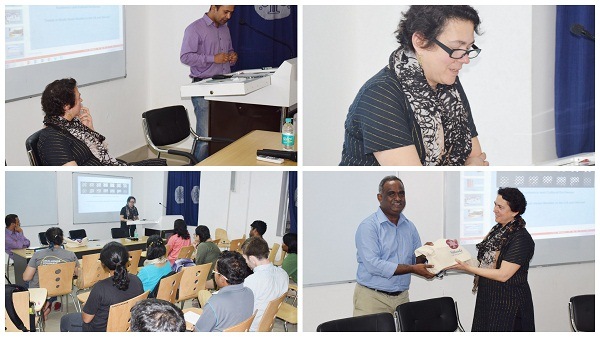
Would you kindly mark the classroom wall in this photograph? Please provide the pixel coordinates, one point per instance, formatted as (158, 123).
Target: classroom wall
(551, 286)
(256, 196)
(154, 75)
(498, 83)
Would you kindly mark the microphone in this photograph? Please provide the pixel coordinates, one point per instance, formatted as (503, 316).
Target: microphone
(579, 30)
(243, 22)
(160, 203)
(291, 155)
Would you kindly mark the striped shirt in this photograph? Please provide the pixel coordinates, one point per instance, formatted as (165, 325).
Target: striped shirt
(380, 118)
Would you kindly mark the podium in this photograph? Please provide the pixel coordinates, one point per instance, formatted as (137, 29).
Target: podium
(162, 226)
(256, 99)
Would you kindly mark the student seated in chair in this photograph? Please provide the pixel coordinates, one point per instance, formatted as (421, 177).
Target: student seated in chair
(290, 262)
(267, 282)
(53, 255)
(154, 315)
(233, 303)
(156, 265)
(119, 287)
(206, 252)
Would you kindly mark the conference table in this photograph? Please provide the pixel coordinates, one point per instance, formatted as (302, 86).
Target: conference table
(242, 152)
(22, 256)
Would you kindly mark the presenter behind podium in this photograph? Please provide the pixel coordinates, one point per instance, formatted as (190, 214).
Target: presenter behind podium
(208, 50)
(129, 212)
(385, 244)
(504, 300)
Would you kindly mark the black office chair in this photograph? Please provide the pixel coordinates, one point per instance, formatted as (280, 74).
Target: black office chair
(118, 233)
(77, 234)
(581, 310)
(171, 125)
(382, 322)
(42, 236)
(31, 147)
(436, 314)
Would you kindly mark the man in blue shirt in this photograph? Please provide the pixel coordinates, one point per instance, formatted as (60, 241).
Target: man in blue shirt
(385, 244)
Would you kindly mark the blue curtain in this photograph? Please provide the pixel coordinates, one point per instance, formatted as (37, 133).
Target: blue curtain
(574, 82)
(183, 190)
(250, 26)
(293, 201)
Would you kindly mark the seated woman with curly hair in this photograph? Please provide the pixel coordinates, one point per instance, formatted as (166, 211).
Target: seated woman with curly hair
(69, 138)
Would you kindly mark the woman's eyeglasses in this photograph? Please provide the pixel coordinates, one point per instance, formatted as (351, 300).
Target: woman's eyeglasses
(459, 53)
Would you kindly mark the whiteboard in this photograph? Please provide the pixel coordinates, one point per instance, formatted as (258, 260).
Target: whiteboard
(33, 197)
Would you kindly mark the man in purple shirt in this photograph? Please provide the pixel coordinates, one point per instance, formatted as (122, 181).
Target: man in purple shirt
(14, 238)
(207, 49)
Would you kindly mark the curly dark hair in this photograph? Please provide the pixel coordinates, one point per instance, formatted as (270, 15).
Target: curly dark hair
(233, 266)
(515, 199)
(430, 22)
(260, 226)
(154, 315)
(116, 257)
(58, 94)
(180, 229)
(291, 241)
(155, 247)
(203, 233)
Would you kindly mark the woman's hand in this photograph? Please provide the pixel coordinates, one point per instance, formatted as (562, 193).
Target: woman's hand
(477, 160)
(86, 118)
(459, 266)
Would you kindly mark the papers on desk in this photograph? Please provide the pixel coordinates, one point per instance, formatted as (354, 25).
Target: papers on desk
(443, 254)
(191, 317)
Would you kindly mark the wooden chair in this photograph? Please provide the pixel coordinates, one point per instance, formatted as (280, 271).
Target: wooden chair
(58, 280)
(288, 314)
(186, 252)
(191, 326)
(273, 252)
(167, 288)
(134, 261)
(221, 238)
(91, 272)
(244, 326)
(38, 296)
(236, 245)
(21, 302)
(268, 317)
(279, 261)
(119, 315)
(193, 280)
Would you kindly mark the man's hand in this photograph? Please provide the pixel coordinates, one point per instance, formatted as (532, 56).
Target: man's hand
(421, 269)
(221, 58)
(18, 229)
(233, 57)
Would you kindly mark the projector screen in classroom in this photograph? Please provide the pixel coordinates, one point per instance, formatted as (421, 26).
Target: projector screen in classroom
(45, 43)
(560, 213)
(99, 198)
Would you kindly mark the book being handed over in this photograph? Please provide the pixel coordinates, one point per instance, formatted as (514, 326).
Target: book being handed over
(443, 254)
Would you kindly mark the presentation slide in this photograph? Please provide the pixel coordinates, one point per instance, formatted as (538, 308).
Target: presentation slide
(102, 193)
(99, 198)
(559, 204)
(42, 34)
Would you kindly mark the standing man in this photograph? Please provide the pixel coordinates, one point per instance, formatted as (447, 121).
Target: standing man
(385, 244)
(13, 234)
(267, 282)
(207, 49)
(129, 212)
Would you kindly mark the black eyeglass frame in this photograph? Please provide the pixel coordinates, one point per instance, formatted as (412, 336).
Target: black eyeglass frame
(451, 51)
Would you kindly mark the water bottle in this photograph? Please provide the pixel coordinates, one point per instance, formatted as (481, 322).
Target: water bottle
(287, 136)
(135, 233)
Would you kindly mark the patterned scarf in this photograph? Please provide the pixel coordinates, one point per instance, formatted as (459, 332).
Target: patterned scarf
(489, 249)
(439, 113)
(130, 212)
(92, 139)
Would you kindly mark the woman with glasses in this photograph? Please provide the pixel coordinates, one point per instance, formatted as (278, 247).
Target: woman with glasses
(415, 111)
(504, 301)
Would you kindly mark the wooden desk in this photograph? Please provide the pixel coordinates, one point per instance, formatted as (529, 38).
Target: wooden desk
(21, 257)
(242, 152)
